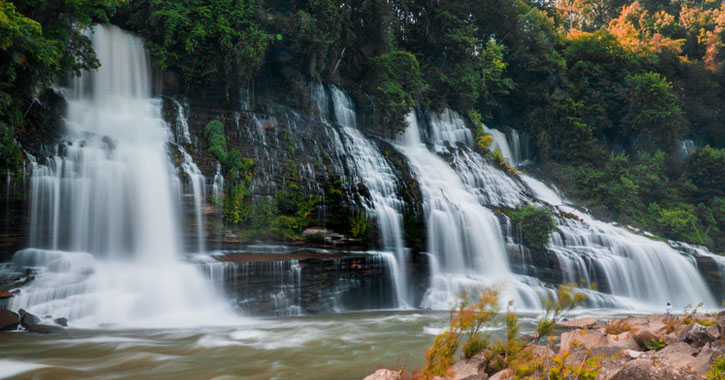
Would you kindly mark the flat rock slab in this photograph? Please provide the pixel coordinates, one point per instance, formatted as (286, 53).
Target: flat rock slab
(579, 323)
(384, 374)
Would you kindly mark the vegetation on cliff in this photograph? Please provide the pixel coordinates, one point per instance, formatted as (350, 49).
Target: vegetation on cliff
(533, 224)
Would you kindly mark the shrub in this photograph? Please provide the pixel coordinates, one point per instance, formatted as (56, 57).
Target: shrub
(617, 327)
(717, 371)
(655, 344)
(534, 223)
(400, 81)
(467, 321)
(474, 345)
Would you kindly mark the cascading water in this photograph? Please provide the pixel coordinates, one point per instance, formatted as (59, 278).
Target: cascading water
(380, 181)
(464, 238)
(630, 270)
(104, 241)
(649, 273)
(197, 184)
(181, 130)
(511, 152)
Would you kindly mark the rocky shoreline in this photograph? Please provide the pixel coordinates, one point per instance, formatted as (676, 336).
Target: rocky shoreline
(652, 347)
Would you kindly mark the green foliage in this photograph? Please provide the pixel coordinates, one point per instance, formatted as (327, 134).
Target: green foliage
(655, 118)
(717, 371)
(218, 41)
(705, 170)
(610, 186)
(40, 40)
(359, 226)
(535, 224)
(655, 344)
(400, 83)
(679, 224)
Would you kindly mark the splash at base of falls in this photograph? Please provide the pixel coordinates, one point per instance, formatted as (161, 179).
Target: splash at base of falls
(113, 294)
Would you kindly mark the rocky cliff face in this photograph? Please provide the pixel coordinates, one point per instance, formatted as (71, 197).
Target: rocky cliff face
(321, 184)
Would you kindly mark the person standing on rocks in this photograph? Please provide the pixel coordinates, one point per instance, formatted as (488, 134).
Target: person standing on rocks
(668, 310)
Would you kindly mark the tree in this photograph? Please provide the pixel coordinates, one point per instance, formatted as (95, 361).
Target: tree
(40, 40)
(653, 115)
(705, 170)
(217, 41)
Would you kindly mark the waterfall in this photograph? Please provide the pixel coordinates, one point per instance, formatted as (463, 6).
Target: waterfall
(380, 180)
(104, 241)
(648, 272)
(449, 127)
(686, 148)
(501, 143)
(181, 130)
(464, 238)
(198, 185)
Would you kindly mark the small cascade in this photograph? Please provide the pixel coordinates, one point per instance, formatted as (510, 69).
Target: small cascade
(181, 127)
(464, 238)
(104, 239)
(197, 183)
(378, 177)
(641, 272)
(492, 186)
(448, 127)
(510, 152)
(686, 148)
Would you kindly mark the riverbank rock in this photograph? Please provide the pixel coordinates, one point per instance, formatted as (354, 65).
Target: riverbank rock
(471, 369)
(580, 323)
(645, 369)
(586, 338)
(383, 374)
(679, 355)
(9, 321)
(8, 294)
(696, 335)
(721, 322)
(61, 321)
(27, 319)
(643, 337)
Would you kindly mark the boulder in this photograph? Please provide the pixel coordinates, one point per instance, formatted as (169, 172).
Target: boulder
(472, 367)
(482, 376)
(45, 329)
(721, 322)
(713, 331)
(61, 321)
(643, 337)
(5, 294)
(27, 319)
(9, 321)
(586, 338)
(696, 335)
(707, 355)
(384, 374)
(679, 355)
(624, 341)
(644, 369)
(579, 323)
(502, 375)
